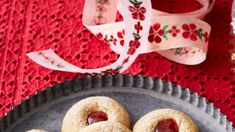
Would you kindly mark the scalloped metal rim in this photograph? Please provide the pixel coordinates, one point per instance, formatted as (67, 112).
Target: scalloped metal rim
(118, 80)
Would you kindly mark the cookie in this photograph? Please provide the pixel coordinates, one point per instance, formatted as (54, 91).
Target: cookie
(92, 110)
(105, 126)
(163, 120)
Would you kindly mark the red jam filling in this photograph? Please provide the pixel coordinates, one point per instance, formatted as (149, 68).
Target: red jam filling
(96, 117)
(168, 125)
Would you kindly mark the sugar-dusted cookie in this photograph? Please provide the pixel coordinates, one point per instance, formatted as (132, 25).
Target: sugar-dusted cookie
(165, 120)
(92, 110)
(106, 126)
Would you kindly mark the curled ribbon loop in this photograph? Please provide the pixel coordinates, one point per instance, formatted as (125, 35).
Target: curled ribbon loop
(182, 38)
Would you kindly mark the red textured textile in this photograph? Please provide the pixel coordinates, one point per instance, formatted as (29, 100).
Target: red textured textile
(30, 25)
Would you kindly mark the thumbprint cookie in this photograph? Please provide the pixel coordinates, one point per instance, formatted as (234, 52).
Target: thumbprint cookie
(92, 110)
(165, 120)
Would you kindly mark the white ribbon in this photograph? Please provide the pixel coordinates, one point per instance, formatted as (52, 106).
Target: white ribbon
(182, 38)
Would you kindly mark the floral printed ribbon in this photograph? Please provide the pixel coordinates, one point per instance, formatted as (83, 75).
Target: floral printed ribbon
(182, 38)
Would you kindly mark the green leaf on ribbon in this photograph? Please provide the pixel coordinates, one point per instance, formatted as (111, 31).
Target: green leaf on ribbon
(135, 2)
(119, 67)
(131, 1)
(165, 32)
(139, 3)
(200, 35)
(165, 27)
(136, 36)
(106, 37)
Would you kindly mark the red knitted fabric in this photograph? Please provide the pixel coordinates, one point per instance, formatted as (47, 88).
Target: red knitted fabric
(31, 25)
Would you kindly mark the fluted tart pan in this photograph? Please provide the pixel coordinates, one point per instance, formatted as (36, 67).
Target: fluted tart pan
(138, 94)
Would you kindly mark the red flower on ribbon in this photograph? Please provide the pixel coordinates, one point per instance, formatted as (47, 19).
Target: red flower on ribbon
(125, 61)
(121, 37)
(155, 33)
(138, 27)
(99, 36)
(137, 11)
(112, 39)
(134, 44)
(174, 31)
(206, 36)
(131, 51)
(101, 8)
(190, 31)
(111, 71)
